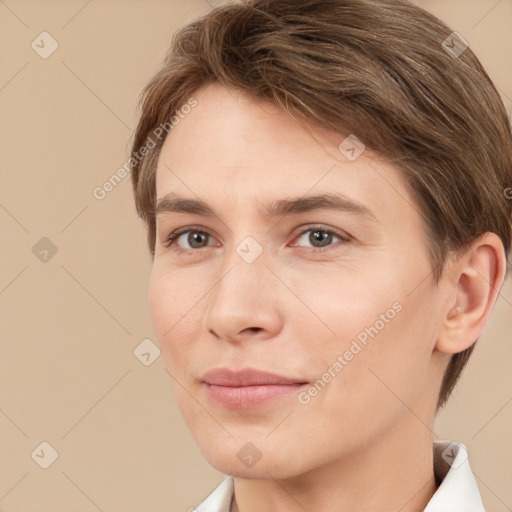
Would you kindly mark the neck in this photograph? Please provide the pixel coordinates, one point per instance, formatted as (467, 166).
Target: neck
(395, 472)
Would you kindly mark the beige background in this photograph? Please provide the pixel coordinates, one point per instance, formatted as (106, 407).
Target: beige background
(68, 374)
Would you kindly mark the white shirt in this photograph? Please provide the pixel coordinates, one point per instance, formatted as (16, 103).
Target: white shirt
(458, 491)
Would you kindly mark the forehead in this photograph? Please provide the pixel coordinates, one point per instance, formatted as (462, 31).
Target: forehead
(229, 128)
(232, 148)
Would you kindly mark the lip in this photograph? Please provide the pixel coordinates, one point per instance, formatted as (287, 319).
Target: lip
(248, 387)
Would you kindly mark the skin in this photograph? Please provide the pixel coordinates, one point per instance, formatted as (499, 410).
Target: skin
(364, 442)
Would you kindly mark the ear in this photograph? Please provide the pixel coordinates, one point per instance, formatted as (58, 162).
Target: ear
(474, 282)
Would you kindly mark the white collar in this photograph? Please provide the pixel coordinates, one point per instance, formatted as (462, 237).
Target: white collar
(458, 491)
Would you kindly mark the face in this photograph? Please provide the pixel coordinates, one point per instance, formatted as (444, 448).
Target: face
(301, 262)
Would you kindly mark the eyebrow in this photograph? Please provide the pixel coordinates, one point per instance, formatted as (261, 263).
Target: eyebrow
(173, 202)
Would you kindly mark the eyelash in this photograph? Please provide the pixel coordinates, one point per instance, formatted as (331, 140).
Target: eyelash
(171, 239)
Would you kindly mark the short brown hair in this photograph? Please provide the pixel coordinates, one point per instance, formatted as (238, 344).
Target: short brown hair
(380, 69)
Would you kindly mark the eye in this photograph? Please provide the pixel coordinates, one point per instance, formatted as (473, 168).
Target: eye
(320, 238)
(189, 239)
(195, 239)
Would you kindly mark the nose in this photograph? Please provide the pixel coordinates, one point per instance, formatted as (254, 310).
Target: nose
(244, 304)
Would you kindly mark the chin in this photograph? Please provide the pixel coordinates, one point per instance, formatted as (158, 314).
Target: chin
(260, 470)
(245, 460)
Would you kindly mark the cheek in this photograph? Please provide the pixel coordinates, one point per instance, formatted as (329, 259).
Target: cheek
(377, 326)
(160, 303)
(169, 302)
(171, 299)
(391, 367)
(172, 315)
(350, 304)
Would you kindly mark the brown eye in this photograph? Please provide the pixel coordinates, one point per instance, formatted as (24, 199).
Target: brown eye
(320, 238)
(195, 239)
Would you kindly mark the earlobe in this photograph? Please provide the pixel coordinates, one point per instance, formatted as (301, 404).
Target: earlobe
(477, 278)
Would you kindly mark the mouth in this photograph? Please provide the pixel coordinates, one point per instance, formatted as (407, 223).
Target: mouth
(248, 388)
